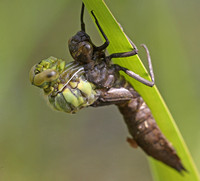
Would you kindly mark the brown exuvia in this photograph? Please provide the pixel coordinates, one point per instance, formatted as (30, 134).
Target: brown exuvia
(115, 89)
(92, 80)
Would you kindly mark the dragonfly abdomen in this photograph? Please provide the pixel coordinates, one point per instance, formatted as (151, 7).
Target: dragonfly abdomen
(147, 135)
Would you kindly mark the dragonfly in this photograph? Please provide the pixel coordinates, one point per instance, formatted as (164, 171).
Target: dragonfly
(91, 79)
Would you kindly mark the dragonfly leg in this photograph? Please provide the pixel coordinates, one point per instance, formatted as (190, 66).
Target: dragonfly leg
(82, 14)
(104, 46)
(149, 62)
(124, 54)
(136, 76)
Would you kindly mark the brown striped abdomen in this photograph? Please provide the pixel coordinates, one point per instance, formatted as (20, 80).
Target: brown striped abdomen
(147, 135)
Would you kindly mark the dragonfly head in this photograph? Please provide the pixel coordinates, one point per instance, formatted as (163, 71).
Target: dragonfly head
(45, 73)
(81, 47)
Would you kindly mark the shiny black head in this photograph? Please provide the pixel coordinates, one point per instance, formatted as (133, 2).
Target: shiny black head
(81, 47)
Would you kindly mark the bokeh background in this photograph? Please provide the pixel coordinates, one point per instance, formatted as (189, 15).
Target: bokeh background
(37, 143)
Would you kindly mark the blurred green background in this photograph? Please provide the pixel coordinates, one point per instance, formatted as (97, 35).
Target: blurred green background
(37, 143)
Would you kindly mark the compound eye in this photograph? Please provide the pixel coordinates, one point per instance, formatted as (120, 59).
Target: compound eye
(85, 52)
(45, 76)
(87, 47)
(51, 75)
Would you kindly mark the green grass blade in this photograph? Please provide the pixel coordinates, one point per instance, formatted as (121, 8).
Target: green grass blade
(119, 43)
